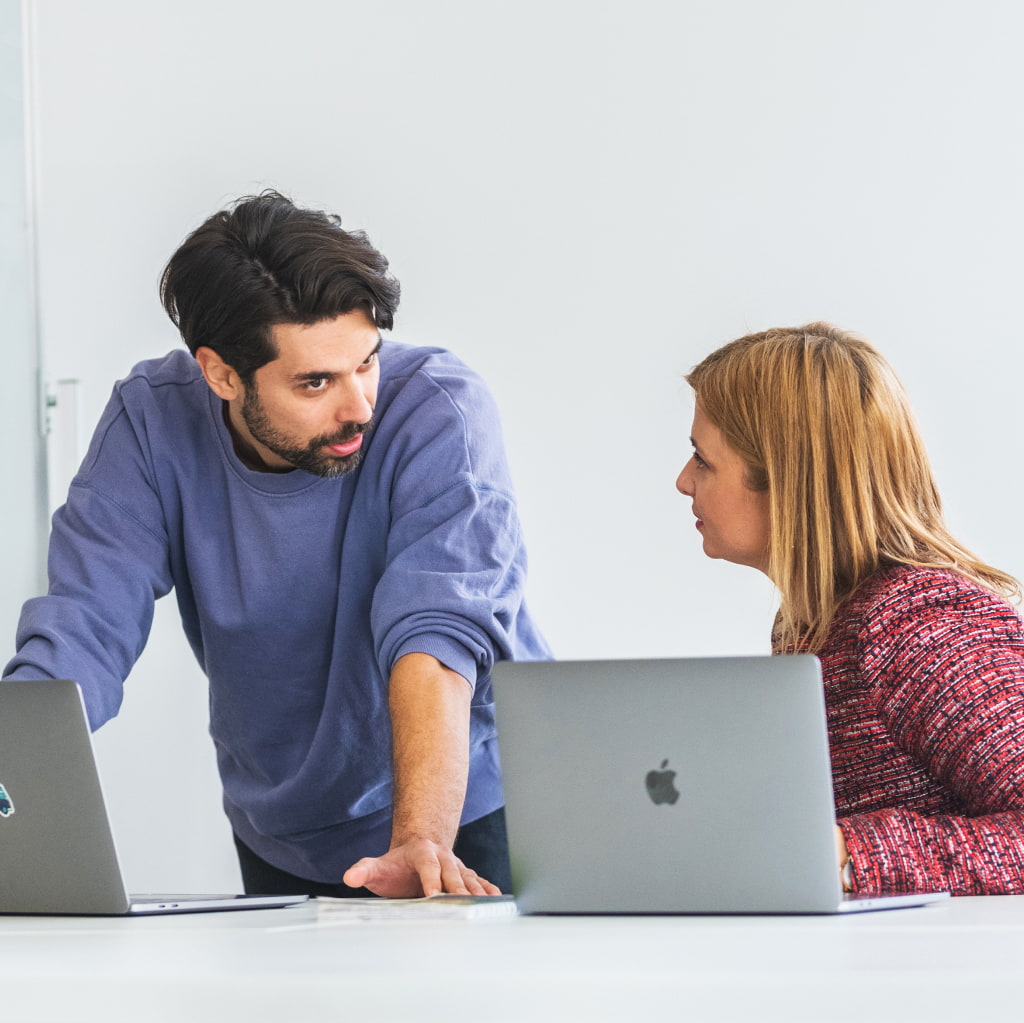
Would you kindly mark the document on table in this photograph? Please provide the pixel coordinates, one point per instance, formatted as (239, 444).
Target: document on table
(435, 907)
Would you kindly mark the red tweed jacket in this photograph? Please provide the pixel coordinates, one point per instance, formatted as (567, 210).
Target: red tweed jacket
(924, 692)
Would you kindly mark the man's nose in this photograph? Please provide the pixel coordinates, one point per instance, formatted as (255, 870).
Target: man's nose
(355, 405)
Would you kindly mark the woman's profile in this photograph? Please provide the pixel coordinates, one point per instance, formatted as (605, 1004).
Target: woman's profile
(808, 465)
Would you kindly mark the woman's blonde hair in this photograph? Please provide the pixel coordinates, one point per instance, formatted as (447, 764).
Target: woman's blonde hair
(825, 427)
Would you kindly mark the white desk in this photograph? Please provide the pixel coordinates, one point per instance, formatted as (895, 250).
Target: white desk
(963, 960)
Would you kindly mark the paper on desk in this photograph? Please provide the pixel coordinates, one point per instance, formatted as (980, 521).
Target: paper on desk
(436, 907)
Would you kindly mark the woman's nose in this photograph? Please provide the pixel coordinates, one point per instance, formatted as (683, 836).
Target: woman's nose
(683, 480)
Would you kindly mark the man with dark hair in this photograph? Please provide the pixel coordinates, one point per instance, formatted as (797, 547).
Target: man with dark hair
(335, 515)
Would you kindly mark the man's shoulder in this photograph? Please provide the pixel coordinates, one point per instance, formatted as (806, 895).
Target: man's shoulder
(401, 362)
(177, 367)
(435, 410)
(415, 374)
(161, 398)
(170, 386)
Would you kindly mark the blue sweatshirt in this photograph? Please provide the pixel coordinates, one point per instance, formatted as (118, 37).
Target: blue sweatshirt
(297, 593)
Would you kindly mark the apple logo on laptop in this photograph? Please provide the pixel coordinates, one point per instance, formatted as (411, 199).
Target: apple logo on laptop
(661, 785)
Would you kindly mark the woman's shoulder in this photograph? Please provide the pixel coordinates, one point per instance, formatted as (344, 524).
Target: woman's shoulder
(911, 592)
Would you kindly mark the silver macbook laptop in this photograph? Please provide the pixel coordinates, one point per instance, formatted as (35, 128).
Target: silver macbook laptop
(57, 852)
(671, 786)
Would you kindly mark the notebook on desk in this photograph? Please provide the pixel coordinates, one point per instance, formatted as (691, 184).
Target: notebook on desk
(57, 852)
(671, 786)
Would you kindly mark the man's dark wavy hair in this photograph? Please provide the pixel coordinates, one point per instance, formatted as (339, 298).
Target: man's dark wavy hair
(265, 261)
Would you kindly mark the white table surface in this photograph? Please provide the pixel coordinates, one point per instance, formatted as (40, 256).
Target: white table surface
(962, 960)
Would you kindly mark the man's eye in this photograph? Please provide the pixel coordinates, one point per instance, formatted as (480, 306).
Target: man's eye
(317, 384)
(370, 359)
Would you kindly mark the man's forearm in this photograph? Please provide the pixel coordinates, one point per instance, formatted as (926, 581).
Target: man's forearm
(430, 730)
(429, 706)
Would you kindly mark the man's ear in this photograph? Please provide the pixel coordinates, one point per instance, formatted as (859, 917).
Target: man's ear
(223, 380)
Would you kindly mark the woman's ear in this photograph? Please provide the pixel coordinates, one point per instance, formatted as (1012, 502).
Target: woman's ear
(223, 380)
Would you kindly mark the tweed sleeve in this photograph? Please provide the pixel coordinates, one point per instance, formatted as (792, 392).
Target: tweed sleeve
(944, 666)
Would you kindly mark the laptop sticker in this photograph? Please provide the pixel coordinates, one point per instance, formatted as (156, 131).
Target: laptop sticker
(6, 806)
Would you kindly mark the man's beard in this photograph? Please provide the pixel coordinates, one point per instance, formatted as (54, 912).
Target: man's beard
(310, 457)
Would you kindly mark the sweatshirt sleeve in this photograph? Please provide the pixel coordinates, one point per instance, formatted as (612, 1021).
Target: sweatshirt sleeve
(453, 580)
(948, 681)
(107, 564)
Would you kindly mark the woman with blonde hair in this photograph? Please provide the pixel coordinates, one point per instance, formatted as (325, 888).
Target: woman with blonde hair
(808, 465)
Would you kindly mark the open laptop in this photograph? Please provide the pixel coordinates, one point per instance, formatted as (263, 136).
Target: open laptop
(671, 786)
(57, 852)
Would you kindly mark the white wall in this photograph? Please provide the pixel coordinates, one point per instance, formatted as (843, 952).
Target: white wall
(582, 198)
(23, 524)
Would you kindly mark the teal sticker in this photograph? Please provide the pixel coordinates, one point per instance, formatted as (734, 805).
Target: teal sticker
(6, 806)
